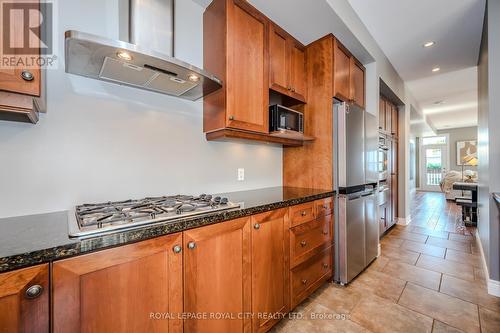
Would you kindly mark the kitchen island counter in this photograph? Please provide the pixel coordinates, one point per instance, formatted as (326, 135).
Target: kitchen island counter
(34, 239)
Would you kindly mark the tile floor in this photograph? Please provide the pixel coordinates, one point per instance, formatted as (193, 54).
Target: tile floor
(429, 278)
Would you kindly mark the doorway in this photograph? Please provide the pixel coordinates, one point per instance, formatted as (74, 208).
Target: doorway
(434, 161)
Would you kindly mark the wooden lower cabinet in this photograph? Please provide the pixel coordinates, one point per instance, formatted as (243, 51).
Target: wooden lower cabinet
(132, 288)
(217, 277)
(309, 239)
(24, 300)
(270, 268)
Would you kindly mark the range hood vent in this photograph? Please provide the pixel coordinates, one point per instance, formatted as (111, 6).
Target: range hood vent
(146, 62)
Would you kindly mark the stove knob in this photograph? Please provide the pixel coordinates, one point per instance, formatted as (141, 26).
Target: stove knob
(208, 197)
(202, 196)
(223, 201)
(217, 199)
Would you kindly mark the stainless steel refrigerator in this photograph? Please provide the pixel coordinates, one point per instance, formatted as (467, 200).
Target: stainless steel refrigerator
(355, 176)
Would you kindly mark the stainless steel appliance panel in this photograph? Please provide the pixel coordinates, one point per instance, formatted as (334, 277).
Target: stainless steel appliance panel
(371, 148)
(371, 227)
(350, 144)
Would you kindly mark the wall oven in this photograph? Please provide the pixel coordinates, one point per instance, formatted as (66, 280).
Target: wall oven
(383, 159)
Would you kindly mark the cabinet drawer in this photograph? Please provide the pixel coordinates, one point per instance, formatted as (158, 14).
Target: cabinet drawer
(309, 275)
(310, 238)
(324, 207)
(301, 213)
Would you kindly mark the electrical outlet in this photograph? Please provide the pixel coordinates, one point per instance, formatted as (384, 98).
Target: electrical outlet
(241, 174)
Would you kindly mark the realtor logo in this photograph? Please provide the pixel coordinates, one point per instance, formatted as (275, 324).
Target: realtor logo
(27, 34)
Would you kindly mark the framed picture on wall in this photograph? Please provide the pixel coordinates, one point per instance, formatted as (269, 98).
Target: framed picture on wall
(467, 152)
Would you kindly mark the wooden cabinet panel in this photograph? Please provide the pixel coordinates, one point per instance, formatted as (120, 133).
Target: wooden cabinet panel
(310, 238)
(217, 276)
(20, 312)
(357, 83)
(247, 68)
(270, 267)
(309, 275)
(323, 207)
(342, 70)
(301, 213)
(12, 79)
(388, 116)
(394, 121)
(381, 114)
(117, 290)
(278, 59)
(298, 77)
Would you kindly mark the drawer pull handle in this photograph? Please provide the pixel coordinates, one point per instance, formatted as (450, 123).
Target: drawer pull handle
(304, 282)
(177, 249)
(325, 265)
(325, 207)
(325, 232)
(256, 226)
(231, 117)
(27, 75)
(191, 245)
(303, 243)
(304, 213)
(34, 291)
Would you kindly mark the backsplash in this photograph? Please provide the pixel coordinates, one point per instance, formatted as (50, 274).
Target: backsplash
(101, 142)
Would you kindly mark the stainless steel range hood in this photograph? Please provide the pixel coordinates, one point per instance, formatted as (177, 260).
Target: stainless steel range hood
(146, 62)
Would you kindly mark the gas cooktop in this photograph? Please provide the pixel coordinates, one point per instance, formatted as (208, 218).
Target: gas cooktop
(94, 219)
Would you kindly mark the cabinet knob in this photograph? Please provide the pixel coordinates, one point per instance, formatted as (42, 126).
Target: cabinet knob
(191, 245)
(304, 281)
(304, 213)
(231, 117)
(27, 75)
(325, 265)
(34, 291)
(256, 226)
(325, 232)
(303, 243)
(293, 89)
(177, 249)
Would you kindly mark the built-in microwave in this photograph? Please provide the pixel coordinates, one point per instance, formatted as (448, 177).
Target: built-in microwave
(285, 119)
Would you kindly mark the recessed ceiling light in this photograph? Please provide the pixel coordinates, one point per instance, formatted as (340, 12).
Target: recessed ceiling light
(429, 44)
(124, 55)
(436, 69)
(438, 102)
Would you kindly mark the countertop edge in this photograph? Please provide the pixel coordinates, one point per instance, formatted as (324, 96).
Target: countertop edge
(85, 246)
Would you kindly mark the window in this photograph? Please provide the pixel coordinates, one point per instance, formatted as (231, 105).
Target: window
(434, 140)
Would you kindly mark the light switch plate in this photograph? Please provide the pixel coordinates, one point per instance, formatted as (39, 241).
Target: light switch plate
(241, 174)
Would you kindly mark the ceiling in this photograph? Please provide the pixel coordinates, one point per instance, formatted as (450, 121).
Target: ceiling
(455, 25)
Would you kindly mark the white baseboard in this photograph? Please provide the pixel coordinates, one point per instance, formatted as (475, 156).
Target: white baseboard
(404, 220)
(493, 285)
(379, 250)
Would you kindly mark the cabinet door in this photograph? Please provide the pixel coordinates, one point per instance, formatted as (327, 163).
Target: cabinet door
(270, 267)
(278, 60)
(381, 114)
(394, 121)
(24, 300)
(122, 289)
(247, 81)
(217, 277)
(388, 116)
(341, 75)
(298, 74)
(357, 83)
(12, 79)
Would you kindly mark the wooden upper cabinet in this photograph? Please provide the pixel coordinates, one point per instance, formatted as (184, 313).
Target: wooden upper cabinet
(287, 64)
(22, 80)
(388, 116)
(24, 300)
(236, 51)
(357, 83)
(270, 267)
(341, 72)
(394, 121)
(381, 114)
(279, 59)
(118, 290)
(217, 276)
(298, 72)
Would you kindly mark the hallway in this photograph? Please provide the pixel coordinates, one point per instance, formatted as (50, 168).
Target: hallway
(429, 278)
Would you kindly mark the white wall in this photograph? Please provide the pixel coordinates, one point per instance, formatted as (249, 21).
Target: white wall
(101, 142)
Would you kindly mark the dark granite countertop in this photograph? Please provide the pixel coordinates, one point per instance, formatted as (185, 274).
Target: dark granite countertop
(34, 239)
(496, 196)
